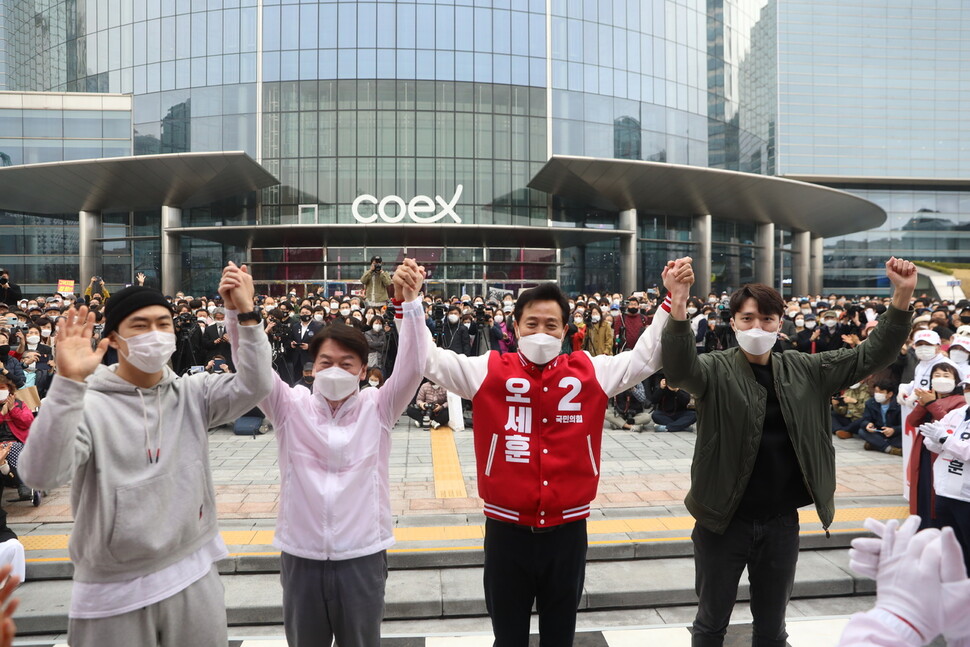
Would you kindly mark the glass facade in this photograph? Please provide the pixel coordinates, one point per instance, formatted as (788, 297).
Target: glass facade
(375, 103)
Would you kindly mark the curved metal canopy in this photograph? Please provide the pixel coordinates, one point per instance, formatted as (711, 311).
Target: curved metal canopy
(690, 190)
(130, 183)
(396, 235)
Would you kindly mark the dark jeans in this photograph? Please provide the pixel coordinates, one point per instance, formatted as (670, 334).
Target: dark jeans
(844, 422)
(418, 415)
(769, 549)
(956, 514)
(548, 568)
(677, 421)
(880, 442)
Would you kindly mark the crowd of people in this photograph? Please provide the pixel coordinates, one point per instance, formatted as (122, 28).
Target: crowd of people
(128, 385)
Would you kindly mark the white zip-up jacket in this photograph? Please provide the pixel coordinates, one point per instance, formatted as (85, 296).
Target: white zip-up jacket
(950, 470)
(334, 496)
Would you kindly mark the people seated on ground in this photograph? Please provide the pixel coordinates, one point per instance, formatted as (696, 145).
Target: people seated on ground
(881, 424)
(431, 401)
(628, 410)
(847, 409)
(670, 408)
(15, 421)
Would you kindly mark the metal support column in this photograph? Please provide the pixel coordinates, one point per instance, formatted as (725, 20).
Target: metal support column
(88, 253)
(701, 234)
(628, 252)
(817, 272)
(801, 246)
(764, 264)
(171, 251)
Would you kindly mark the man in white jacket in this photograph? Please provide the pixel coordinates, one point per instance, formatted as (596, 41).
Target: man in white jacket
(133, 438)
(334, 524)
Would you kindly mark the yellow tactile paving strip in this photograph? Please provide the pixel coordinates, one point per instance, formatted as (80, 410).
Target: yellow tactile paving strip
(448, 481)
(477, 532)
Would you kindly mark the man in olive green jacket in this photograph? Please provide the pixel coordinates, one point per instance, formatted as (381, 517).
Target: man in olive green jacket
(764, 447)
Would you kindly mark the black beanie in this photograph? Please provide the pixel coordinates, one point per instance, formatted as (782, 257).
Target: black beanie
(124, 302)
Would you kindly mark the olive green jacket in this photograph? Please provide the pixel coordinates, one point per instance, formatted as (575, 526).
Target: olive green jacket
(731, 411)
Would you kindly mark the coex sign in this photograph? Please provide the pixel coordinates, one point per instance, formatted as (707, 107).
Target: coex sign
(421, 208)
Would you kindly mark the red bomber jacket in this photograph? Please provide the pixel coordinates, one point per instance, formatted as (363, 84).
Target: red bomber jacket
(538, 429)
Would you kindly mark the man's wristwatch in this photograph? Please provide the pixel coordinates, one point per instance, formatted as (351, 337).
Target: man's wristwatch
(252, 315)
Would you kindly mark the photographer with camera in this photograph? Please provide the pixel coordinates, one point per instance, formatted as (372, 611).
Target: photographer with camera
(278, 331)
(90, 292)
(431, 401)
(188, 341)
(9, 291)
(375, 282)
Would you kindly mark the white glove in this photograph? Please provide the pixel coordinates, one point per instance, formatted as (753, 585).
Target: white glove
(865, 551)
(956, 589)
(934, 430)
(908, 582)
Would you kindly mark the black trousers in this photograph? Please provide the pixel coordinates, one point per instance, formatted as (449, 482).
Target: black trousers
(522, 567)
(955, 514)
(418, 415)
(769, 549)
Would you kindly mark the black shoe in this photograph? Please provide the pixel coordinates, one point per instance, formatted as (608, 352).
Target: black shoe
(37, 498)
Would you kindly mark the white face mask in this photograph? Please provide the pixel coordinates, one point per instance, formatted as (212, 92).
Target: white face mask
(577, 320)
(374, 383)
(692, 311)
(870, 314)
(499, 318)
(806, 311)
(756, 341)
(925, 353)
(150, 351)
(467, 325)
(355, 307)
(318, 317)
(540, 348)
(33, 339)
(4, 395)
(202, 321)
(944, 384)
(377, 327)
(881, 397)
(45, 332)
(800, 323)
(335, 383)
(507, 307)
(809, 325)
(958, 356)
(211, 308)
(344, 312)
(452, 319)
(831, 323)
(595, 318)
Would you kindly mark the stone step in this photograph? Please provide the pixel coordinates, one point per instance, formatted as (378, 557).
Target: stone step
(255, 598)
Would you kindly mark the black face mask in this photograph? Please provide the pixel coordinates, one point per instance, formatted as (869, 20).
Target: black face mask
(633, 311)
(965, 319)
(4, 280)
(4, 351)
(305, 317)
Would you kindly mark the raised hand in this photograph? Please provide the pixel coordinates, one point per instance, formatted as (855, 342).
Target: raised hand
(408, 279)
(237, 288)
(902, 274)
(140, 277)
(8, 630)
(75, 357)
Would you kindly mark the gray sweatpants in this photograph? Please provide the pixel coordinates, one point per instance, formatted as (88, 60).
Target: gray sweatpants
(323, 600)
(194, 616)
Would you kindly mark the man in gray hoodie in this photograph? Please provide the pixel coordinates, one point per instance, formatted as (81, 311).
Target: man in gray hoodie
(133, 438)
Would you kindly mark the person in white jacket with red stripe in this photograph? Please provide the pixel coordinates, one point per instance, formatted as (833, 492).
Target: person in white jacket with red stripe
(950, 438)
(334, 524)
(538, 426)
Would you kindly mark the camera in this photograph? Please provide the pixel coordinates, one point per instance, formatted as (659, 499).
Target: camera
(378, 267)
(428, 406)
(98, 329)
(438, 312)
(481, 318)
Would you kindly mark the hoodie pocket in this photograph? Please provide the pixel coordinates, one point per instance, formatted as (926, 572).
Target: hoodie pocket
(158, 516)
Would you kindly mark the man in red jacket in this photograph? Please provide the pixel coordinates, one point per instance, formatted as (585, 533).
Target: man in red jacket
(538, 427)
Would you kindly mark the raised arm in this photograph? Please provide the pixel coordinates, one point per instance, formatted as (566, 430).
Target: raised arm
(678, 348)
(58, 441)
(229, 396)
(394, 396)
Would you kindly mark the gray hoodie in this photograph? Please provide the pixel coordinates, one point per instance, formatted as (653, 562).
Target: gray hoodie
(134, 517)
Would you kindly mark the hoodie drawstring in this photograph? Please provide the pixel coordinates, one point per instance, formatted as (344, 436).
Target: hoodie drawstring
(158, 426)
